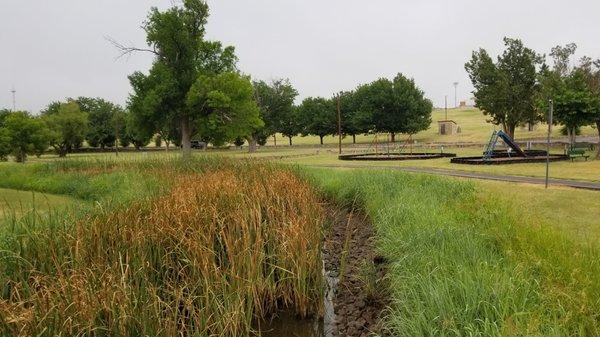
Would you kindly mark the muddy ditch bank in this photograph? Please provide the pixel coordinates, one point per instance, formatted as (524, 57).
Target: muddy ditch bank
(357, 290)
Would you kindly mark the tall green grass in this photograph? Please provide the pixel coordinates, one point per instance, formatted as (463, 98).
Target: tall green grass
(218, 245)
(462, 263)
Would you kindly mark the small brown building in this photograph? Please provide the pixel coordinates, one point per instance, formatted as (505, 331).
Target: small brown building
(447, 127)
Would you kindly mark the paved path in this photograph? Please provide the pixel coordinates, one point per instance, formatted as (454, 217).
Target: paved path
(589, 185)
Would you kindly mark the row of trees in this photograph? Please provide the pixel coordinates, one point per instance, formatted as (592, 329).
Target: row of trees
(194, 90)
(65, 126)
(517, 88)
(390, 106)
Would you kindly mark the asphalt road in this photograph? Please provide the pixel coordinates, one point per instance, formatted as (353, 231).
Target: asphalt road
(588, 185)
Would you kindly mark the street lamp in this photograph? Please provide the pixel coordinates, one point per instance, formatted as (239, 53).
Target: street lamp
(455, 96)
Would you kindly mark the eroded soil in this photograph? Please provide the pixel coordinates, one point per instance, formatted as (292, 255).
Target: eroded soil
(360, 296)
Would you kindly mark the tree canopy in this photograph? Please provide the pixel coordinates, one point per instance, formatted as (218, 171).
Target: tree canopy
(183, 57)
(276, 103)
(317, 117)
(224, 107)
(571, 89)
(102, 130)
(67, 127)
(506, 90)
(396, 106)
(22, 135)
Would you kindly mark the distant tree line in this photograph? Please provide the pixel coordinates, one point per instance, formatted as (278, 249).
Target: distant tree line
(517, 87)
(65, 126)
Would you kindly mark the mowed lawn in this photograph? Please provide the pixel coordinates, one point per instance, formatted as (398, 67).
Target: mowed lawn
(576, 170)
(20, 202)
(574, 212)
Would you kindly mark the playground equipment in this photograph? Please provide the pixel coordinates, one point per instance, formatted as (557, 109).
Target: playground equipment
(395, 153)
(493, 156)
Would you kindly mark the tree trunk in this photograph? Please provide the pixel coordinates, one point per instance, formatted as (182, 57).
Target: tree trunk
(62, 151)
(167, 143)
(353, 139)
(573, 136)
(393, 137)
(186, 138)
(20, 156)
(321, 137)
(290, 137)
(251, 145)
(275, 140)
(510, 130)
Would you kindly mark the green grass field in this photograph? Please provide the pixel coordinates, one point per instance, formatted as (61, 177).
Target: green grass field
(466, 258)
(18, 202)
(577, 170)
(574, 212)
(474, 129)
(464, 261)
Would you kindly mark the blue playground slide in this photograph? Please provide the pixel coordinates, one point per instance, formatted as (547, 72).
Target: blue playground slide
(508, 141)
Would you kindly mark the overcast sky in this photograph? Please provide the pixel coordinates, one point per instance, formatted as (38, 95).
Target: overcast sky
(50, 50)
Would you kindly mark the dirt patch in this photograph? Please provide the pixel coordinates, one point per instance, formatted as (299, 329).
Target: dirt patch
(360, 295)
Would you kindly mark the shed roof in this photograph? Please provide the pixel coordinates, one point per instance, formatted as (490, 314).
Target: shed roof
(447, 121)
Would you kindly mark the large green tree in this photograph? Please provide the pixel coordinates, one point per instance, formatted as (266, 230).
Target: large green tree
(317, 117)
(133, 131)
(176, 37)
(591, 71)
(5, 142)
(5, 139)
(574, 104)
(352, 117)
(24, 135)
(276, 103)
(290, 124)
(571, 89)
(224, 107)
(396, 106)
(506, 90)
(68, 127)
(102, 130)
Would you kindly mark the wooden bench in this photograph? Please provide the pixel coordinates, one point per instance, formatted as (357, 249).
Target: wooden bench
(577, 152)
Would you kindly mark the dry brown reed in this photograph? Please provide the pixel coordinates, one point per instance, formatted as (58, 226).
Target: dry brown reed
(220, 250)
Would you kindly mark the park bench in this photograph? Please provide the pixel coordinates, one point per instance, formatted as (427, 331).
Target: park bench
(576, 152)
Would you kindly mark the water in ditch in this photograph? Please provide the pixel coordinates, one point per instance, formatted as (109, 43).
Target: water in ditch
(287, 324)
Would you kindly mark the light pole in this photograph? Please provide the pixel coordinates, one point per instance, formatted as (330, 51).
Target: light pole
(14, 92)
(455, 95)
(446, 106)
(550, 112)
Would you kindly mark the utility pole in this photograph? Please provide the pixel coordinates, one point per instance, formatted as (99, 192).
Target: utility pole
(446, 106)
(455, 95)
(550, 112)
(339, 117)
(14, 92)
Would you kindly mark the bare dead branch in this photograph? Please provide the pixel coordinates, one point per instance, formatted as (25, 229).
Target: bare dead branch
(127, 50)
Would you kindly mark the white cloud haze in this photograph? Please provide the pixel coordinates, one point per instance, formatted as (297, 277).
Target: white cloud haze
(50, 50)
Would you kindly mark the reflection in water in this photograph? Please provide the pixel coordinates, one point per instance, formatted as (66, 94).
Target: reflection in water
(288, 325)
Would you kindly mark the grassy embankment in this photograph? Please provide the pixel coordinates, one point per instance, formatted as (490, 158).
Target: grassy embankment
(465, 261)
(474, 129)
(15, 202)
(165, 249)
